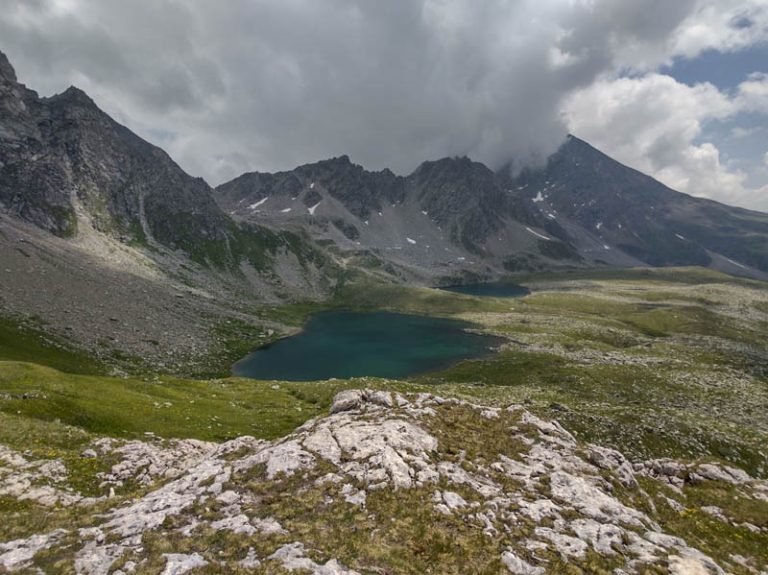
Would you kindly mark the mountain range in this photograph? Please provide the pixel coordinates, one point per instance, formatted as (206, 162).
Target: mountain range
(66, 165)
(89, 210)
(455, 216)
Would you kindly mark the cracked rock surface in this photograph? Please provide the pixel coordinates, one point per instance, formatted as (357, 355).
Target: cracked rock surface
(341, 494)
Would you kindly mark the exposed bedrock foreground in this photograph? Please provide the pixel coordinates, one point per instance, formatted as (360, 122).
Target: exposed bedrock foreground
(384, 484)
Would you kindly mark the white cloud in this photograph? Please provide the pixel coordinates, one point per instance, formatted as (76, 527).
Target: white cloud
(740, 132)
(643, 35)
(723, 25)
(753, 93)
(257, 84)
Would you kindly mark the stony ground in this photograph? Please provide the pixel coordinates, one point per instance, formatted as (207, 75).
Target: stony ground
(115, 302)
(384, 484)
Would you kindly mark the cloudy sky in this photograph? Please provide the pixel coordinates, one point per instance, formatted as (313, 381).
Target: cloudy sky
(675, 88)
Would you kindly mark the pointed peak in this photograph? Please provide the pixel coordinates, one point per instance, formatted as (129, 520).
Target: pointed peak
(572, 141)
(75, 94)
(7, 73)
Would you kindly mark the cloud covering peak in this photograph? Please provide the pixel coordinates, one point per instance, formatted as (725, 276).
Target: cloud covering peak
(261, 85)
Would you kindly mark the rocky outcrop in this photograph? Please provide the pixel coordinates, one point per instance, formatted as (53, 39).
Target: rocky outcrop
(145, 462)
(39, 481)
(549, 497)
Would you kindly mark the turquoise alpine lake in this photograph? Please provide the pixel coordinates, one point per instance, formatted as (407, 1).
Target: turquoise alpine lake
(493, 289)
(344, 344)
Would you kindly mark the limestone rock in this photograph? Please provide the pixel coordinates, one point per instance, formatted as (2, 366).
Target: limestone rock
(610, 459)
(293, 558)
(17, 554)
(346, 401)
(518, 566)
(179, 563)
(553, 490)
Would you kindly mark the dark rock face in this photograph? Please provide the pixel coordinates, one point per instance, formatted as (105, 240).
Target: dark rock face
(633, 212)
(27, 162)
(361, 191)
(62, 154)
(461, 195)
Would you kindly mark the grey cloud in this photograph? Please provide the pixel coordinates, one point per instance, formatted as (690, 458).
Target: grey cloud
(258, 84)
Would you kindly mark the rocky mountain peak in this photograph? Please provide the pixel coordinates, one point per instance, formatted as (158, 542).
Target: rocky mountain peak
(75, 96)
(7, 73)
(335, 165)
(340, 160)
(453, 166)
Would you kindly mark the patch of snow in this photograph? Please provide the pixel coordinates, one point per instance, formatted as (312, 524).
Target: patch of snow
(285, 211)
(379, 213)
(538, 235)
(312, 186)
(410, 241)
(599, 225)
(313, 208)
(366, 222)
(257, 204)
(605, 247)
(736, 263)
(538, 198)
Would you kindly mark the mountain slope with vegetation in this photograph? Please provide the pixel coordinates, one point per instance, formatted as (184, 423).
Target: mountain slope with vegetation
(662, 469)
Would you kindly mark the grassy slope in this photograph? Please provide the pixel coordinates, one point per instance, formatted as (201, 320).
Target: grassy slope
(656, 364)
(21, 341)
(608, 344)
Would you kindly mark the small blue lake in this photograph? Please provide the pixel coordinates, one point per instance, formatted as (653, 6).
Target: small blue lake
(493, 289)
(344, 344)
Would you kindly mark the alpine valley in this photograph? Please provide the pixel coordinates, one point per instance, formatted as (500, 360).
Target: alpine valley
(619, 424)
